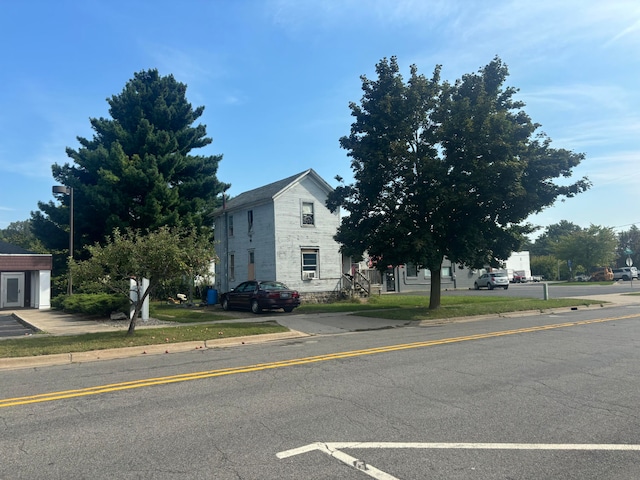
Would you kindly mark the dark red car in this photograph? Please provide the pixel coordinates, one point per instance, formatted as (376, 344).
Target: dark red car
(258, 296)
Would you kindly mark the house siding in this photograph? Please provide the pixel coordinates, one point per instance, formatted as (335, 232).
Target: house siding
(259, 240)
(291, 237)
(279, 236)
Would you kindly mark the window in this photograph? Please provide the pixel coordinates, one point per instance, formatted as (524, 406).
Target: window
(250, 220)
(246, 287)
(412, 270)
(251, 268)
(310, 264)
(232, 267)
(445, 272)
(307, 213)
(230, 225)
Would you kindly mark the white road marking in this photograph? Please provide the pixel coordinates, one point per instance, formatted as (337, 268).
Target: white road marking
(334, 449)
(336, 453)
(489, 446)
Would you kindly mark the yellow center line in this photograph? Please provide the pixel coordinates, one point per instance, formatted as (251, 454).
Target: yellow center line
(114, 387)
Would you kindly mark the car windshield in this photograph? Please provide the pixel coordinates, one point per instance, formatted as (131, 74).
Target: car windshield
(499, 274)
(273, 286)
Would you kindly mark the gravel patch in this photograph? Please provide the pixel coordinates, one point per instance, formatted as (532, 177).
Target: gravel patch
(139, 323)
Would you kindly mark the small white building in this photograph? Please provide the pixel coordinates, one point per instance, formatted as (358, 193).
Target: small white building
(25, 278)
(282, 231)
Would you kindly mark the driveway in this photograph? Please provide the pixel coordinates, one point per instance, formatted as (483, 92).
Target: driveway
(10, 327)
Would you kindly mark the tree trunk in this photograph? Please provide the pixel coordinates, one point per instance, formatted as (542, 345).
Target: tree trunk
(139, 304)
(436, 290)
(132, 323)
(136, 310)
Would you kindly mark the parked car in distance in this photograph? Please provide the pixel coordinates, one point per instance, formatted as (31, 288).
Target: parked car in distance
(518, 278)
(625, 273)
(258, 296)
(492, 280)
(602, 274)
(583, 277)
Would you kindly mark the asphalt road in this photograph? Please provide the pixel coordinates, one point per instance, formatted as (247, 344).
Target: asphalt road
(536, 397)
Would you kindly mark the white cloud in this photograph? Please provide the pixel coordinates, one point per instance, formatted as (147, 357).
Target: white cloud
(294, 15)
(634, 28)
(196, 66)
(576, 96)
(617, 168)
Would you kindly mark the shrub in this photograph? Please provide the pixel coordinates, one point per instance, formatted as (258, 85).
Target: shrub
(57, 302)
(102, 304)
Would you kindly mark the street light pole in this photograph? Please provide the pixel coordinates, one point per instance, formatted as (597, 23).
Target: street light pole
(68, 191)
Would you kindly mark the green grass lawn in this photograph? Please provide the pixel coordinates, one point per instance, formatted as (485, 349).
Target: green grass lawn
(47, 345)
(184, 314)
(397, 307)
(416, 307)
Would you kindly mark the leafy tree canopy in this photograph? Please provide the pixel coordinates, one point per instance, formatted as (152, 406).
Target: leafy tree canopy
(21, 234)
(137, 171)
(445, 170)
(589, 248)
(545, 243)
(628, 240)
(547, 266)
(164, 254)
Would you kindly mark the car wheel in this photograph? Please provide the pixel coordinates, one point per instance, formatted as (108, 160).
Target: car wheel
(288, 309)
(506, 287)
(625, 278)
(225, 304)
(476, 286)
(491, 286)
(255, 306)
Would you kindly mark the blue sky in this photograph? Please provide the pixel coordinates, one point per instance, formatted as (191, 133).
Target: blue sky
(276, 78)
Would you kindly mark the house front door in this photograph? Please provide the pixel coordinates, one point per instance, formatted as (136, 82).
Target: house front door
(12, 286)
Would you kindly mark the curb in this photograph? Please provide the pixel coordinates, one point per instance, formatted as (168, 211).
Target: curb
(521, 313)
(14, 363)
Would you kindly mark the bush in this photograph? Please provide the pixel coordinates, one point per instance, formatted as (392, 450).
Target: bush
(101, 304)
(57, 302)
(170, 288)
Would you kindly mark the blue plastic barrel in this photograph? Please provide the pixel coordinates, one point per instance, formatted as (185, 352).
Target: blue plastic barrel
(212, 296)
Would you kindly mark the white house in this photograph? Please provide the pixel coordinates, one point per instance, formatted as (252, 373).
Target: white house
(282, 231)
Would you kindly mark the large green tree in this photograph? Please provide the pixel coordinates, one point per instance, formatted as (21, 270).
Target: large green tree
(138, 170)
(628, 240)
(445, 170)
(588, 248)
(161, 255)
(545, 244)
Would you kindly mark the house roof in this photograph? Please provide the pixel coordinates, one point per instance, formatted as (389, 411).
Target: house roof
(10, 249)
(268, 192)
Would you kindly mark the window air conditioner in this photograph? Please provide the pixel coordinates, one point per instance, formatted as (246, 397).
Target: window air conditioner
(308, 275)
